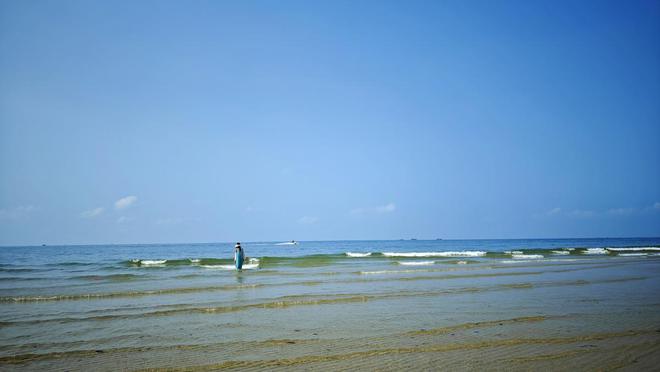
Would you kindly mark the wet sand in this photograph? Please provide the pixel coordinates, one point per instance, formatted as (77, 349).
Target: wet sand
(528, 343)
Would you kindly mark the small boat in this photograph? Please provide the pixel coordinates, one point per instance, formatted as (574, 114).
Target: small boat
(293, 242)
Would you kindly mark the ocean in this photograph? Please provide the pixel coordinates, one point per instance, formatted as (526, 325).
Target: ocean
(421, 304)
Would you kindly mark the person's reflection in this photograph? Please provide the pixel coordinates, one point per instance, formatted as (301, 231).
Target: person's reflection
(240, 278)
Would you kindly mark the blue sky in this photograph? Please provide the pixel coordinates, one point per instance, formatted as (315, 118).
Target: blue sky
(201, 121)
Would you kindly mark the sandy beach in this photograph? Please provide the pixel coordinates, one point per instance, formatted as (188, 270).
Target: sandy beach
(329, 185)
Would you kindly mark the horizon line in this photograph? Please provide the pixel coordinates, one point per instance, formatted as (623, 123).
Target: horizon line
(312, 241)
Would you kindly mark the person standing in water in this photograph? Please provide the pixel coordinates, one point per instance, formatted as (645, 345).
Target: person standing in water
(239, 255)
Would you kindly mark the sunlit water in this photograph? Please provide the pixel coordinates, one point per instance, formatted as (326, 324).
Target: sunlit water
(139, 306)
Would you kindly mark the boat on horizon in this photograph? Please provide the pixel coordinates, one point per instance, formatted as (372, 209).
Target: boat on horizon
(293, 242)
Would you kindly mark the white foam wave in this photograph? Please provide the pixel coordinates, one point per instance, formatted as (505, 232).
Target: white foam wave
(633, 249)
(527, 256)
(151, 262)
(461, 263)
(544, 261)
(391, 272)
(220, 267)
(287, 243)
(513, 252)
(416, 263)
(231, 267)
(194, 260)
(596, 251)
(632, 254)
(563, 253)
(355, 254)
(435, 254)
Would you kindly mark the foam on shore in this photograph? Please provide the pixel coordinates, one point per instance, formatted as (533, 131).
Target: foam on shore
(633, 249)
(393, 271)
(527, 256)
(435, 254)
(596, 251)
(231, 267)
(151, 262)
(416, 263)
(356, 254)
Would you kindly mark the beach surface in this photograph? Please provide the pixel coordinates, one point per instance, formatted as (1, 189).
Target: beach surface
(381, 305)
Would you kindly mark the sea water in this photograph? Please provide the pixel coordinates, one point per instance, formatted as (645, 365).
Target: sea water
(140, 306)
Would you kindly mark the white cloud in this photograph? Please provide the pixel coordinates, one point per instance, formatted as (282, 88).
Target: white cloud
(357, 211)
(621, 211)
(381, 209)
(124, 219)
(21, 211)
(125, 202)
(388, 208)
(92, 212)
(307, 220)
(553, 211)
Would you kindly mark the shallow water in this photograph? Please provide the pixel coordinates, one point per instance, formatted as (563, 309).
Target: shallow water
(380, 304)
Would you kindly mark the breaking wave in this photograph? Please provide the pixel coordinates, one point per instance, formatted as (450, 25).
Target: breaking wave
(416, 263)
(355, 254)
(436, 254)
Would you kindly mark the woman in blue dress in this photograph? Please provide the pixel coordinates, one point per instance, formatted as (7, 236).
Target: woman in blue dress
(239, 256)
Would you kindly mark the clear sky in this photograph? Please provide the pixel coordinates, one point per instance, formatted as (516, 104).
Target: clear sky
(202, 121)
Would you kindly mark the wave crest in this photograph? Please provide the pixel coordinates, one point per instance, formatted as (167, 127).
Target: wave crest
(436, 254)
(358, 254)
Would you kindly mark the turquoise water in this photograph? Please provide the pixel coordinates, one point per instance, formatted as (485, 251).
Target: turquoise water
(120, 299)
